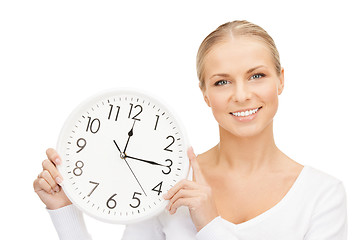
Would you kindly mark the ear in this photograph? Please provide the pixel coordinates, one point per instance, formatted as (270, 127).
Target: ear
(203, 90)
(206, 100)
(281, 83)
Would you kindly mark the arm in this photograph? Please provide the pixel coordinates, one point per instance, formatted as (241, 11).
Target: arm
(67, 219)
(197, 196)
(69, 223)
(329, 221)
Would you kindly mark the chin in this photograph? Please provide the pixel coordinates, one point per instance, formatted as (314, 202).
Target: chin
(241, 132)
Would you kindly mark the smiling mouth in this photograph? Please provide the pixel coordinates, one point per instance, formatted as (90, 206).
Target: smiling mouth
(246, 113)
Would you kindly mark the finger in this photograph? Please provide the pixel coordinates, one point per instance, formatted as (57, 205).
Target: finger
(48, 178)
(199, 177)
(182, 193)
(53, 156)
(181, 202)
(183, 184)
(40, 184)
(49, 166)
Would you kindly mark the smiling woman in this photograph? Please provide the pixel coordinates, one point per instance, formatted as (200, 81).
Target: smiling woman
(240, 75)
(244, 187)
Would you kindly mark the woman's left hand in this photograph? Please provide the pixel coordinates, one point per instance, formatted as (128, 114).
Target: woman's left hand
(196, 195)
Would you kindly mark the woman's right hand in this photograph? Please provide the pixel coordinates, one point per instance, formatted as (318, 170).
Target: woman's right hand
(47, 184)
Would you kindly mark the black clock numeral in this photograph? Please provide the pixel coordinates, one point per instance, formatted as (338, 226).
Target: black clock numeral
(81, 143)
(78, 170)
(117, 113)
(137, 199)
(169, 167)
(173, 140)
(159, 188)
(157, 120)
(131, 108)
(93, 129)
(96, 185)
(111, 203)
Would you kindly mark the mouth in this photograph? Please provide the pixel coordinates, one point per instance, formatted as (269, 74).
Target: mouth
(245, 112)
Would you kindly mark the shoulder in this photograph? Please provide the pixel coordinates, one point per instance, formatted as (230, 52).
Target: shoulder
(320, 186)
(319, 177)
(207, 158)
(327, 207)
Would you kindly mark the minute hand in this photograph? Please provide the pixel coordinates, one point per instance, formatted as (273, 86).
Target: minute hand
(147, 161)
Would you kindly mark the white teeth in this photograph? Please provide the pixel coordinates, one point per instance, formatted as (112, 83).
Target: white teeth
(246, 113)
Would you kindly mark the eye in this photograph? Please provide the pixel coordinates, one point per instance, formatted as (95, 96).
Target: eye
(221, 82)
(257, 75)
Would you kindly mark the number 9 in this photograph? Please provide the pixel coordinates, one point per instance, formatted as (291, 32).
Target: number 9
(81, 146)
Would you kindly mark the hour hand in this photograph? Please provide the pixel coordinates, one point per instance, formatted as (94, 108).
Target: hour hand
(130, 133)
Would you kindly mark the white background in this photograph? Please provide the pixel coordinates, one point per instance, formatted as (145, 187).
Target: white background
(55, 54)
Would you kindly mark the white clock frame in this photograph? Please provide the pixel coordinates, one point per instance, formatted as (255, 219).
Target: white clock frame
(64, 151)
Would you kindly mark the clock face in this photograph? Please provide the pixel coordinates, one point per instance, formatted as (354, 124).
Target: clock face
(121, 151)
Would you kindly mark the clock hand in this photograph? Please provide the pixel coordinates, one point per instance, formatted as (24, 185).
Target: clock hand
(147, 161)
(117, 147)
(130, 133)
(135, 176)
(123, 156)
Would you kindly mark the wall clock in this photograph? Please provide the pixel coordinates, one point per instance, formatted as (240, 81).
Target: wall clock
(122, 150)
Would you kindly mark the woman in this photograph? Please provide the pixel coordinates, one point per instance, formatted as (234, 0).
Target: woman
(244, 187)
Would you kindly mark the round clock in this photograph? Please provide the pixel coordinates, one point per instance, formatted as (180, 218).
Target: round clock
(122, 150)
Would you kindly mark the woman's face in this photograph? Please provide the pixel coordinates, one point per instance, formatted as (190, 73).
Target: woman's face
(240, 75)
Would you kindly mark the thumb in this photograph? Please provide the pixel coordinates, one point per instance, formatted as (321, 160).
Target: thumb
(199, 177)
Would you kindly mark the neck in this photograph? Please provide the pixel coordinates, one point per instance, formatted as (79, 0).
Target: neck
(246, 155)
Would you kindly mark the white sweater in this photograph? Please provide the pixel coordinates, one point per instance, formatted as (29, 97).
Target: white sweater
(313, 209)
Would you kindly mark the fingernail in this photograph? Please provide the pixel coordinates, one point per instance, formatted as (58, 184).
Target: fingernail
(164, 196)
(58, 180)
(57, 189)
(58, 161)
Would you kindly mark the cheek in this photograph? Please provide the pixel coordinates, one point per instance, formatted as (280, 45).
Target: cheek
(217, 100)
(219, 105)
(268, 94)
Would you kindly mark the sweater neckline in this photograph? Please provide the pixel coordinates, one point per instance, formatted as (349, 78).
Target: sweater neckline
(270, 211)
(273, 209)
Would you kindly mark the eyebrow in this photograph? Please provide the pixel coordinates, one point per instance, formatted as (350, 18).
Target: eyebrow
(254, 68)
(220, 75)
(227, 75)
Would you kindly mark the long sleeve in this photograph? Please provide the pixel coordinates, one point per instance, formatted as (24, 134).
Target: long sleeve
(69, 223)
(329, 222)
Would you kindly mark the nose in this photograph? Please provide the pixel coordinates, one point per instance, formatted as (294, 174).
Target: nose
(241, 92)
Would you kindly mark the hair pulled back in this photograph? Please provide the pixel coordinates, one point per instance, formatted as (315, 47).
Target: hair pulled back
(231, 30)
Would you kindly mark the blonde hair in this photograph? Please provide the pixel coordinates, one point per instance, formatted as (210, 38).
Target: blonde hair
(230, 30)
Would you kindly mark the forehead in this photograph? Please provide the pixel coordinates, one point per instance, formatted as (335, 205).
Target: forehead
(237, 55)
